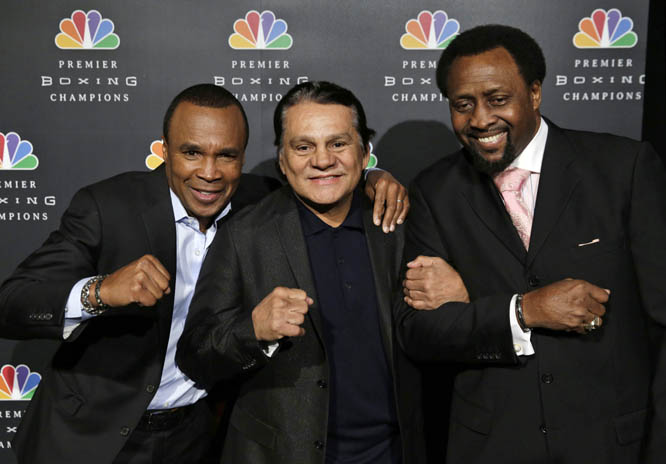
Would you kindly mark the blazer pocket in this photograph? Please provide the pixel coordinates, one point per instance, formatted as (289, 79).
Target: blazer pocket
(630, 427)
(470, 415)
(70, 403)
(253, 428)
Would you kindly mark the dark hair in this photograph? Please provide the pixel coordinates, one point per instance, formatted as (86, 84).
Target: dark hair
(206, 95)
(525, 51)
(325, 93)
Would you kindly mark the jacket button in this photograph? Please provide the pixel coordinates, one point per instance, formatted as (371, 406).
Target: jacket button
(543, 429)
(48, 316)
(124, 431)
(533, 281)
(322, 383)
(319, 444)
(547, 378)
(150, 388)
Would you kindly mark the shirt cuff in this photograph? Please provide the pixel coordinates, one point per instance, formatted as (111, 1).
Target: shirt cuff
(74, 312)
(521, 340)
(269, 349)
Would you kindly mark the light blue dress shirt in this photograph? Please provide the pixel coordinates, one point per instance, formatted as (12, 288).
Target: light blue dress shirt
(175, 389)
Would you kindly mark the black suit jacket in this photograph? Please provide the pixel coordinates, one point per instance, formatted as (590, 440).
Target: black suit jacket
(103, 377)
(281, 412)
(580, 398)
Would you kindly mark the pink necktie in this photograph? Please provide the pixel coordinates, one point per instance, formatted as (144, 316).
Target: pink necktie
(510, 183)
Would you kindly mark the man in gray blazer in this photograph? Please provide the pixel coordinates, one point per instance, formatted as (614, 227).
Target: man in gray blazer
(300, 313)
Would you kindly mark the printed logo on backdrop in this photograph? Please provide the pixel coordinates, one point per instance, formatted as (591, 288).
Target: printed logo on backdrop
(262, 80)
(18, 383)
(429, 31)
(605, 30)
(414, 79)
(155, 159)
(85, 76)
(260, 31)
(603, 70)
(373, 162)
(16, 154)
(19, 198)
(85, 31)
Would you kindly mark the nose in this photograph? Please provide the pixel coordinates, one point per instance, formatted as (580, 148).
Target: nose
(208, 170)
(482, 117)
(323, 159)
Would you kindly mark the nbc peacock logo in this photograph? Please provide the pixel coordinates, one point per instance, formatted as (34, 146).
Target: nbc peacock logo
(18, 383)
(373, 161)
(260, 31)
(429, 31)
(87, 31)
(16, 154)
(605, 29)
(155, 158)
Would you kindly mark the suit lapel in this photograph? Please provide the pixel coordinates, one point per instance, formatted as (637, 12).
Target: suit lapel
(290, 233)
(486, 202)
(556, 183)
(158, 221)
(380, 247)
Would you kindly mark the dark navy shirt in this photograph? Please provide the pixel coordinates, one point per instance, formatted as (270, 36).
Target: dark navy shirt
(362, 420)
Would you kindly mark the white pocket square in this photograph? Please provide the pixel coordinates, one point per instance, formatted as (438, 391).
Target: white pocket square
(592, 242)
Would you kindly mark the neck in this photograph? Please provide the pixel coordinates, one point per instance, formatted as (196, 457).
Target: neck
(334, 214)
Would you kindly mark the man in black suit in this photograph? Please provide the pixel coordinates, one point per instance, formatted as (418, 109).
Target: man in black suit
(116, 281)
(300, 313)
(558, 237)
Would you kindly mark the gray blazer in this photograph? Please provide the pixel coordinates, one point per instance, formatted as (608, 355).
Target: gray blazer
(281, 413)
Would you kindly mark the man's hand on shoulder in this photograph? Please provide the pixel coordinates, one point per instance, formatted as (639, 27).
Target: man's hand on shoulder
(430, 282)
(143, 281)
(568, 305)
(390, 199)
(280, 314)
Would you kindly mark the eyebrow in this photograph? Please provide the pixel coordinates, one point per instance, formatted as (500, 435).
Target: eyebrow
(485, 93)
(308, 138)
(189, 146)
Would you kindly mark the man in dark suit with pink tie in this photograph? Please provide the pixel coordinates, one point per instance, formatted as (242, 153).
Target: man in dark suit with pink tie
(558, 237)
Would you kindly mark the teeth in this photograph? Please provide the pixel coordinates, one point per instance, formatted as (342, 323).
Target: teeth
(491, 139)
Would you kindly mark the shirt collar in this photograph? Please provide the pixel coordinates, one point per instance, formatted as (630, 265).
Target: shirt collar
(532, 156)
(180, 214)
(312, 225)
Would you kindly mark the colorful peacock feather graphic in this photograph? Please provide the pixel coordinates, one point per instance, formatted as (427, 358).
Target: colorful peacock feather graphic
(86, 31)
(260, 31)
(18, 383)
(430, 31)
(605, 29)
(155, 159)
(16, 154)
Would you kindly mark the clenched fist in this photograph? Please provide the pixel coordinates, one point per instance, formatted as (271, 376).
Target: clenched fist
(565, 305)
(280, 314)
(143, 281)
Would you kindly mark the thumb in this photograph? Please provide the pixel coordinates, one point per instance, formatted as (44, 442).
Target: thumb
(420, 261)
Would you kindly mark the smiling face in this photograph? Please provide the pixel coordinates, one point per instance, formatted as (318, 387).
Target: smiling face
(322, 157)
(204, 157)
(494, 113)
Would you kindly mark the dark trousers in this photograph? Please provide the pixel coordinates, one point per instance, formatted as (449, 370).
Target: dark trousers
(188, 442)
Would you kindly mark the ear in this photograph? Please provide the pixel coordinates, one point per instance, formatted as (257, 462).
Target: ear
(535, 95)
(366, 156)
(165, 149)
(281, 161)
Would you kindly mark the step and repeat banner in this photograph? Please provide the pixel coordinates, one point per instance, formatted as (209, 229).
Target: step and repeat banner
(84, 85)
